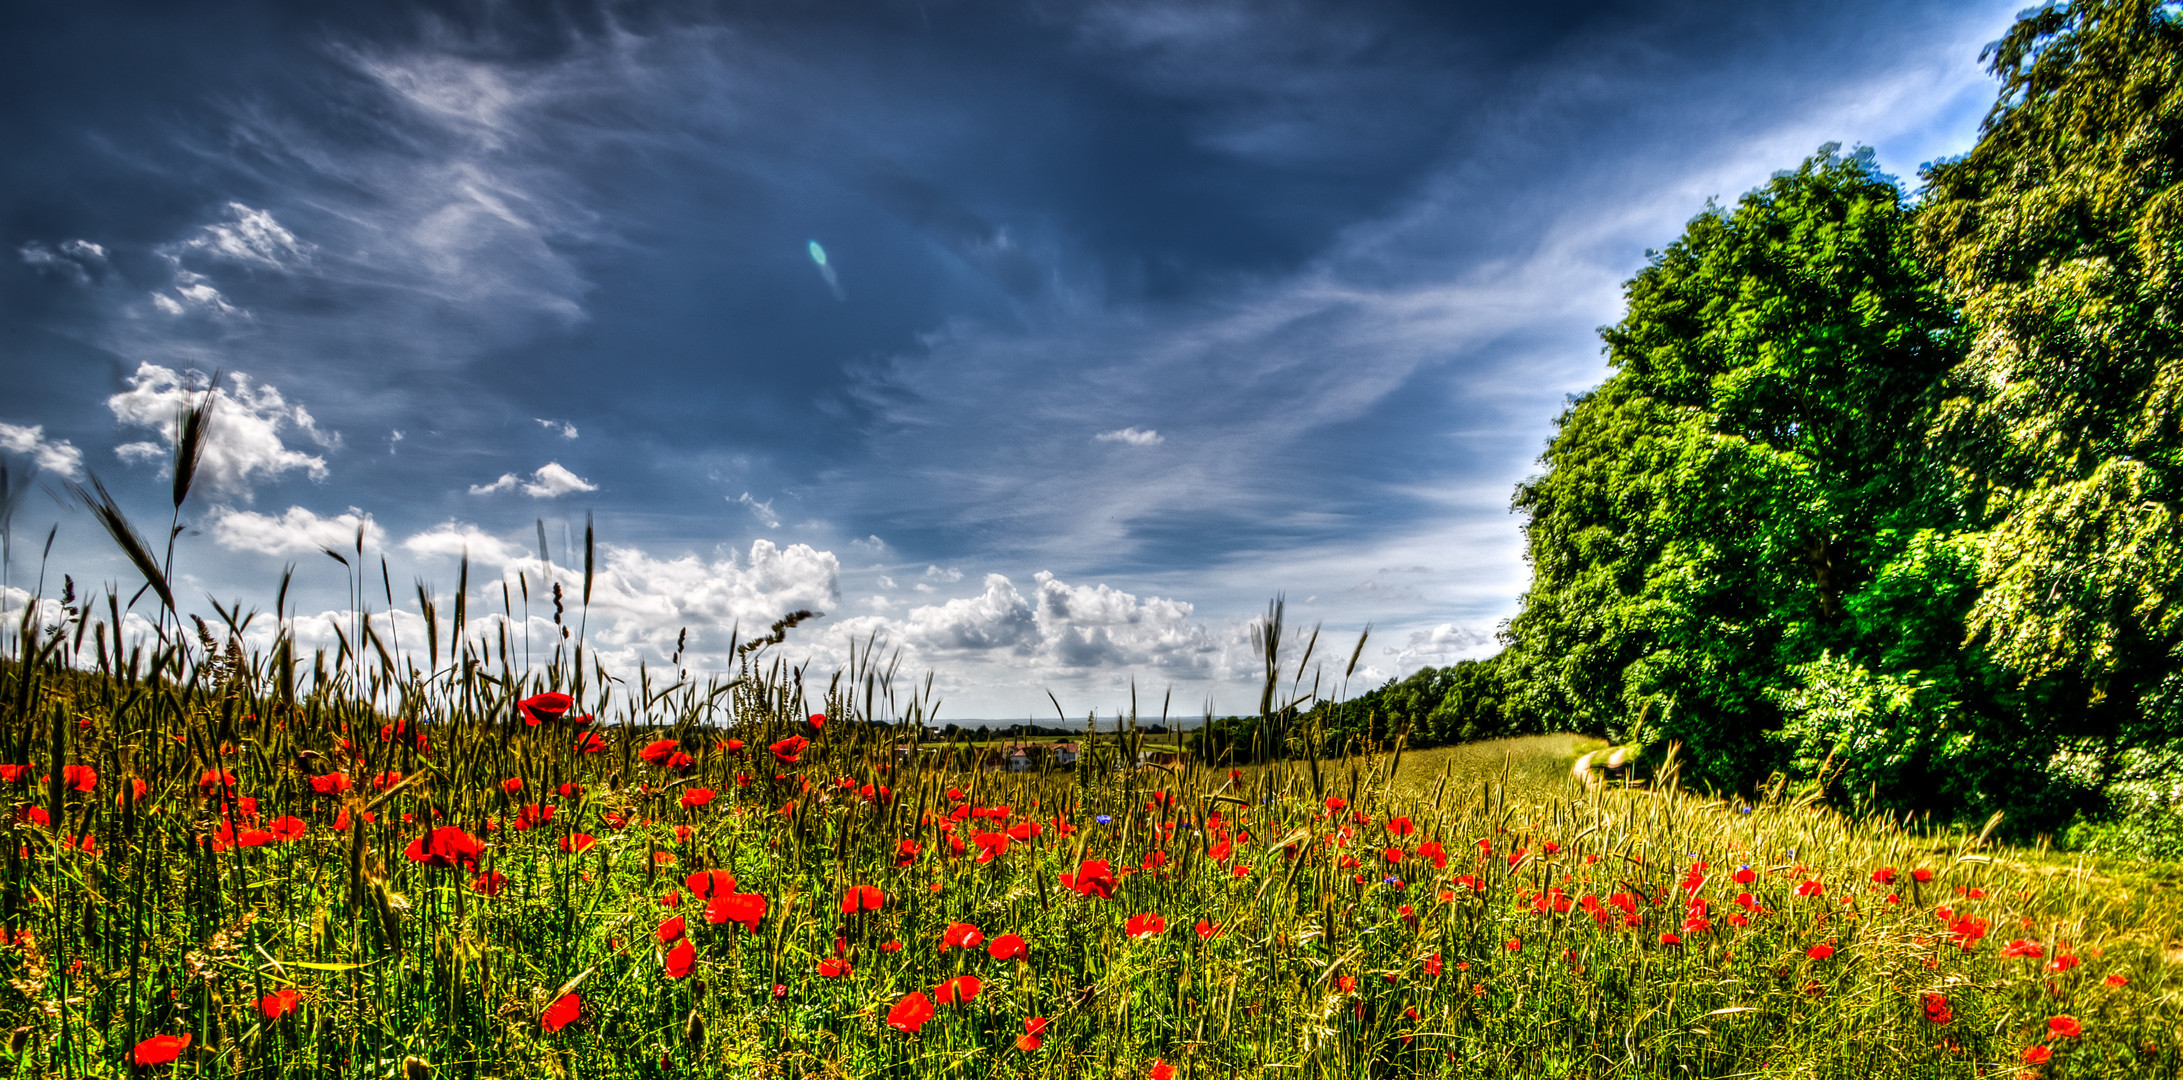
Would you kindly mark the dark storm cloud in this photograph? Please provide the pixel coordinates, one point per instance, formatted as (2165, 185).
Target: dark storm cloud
(1215, 297)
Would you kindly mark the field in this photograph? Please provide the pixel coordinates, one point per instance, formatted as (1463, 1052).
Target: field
(413, 868)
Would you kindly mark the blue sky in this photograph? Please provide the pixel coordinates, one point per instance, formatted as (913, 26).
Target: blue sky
(1131, 316)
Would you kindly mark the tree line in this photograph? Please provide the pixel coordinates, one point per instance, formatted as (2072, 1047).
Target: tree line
(1884, 491)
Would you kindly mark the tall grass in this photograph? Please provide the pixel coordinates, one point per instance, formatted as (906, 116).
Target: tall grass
(182, 859)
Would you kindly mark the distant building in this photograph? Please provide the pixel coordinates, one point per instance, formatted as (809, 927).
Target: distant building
(1065, 754)
(1169, 758)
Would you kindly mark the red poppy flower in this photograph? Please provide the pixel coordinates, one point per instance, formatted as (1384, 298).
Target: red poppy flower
(1145, 925)
(1670, 938)
(1921, 875)
(696, 797)
(578, 842)
(790, 750)
(2036, 1055)
(16, 774)
(446, 847)
(862, 898)
(991, 845)
(657, 753)
(910, 1013)
(1336, 802)
(562, 1012)
(1094, 878)
(1432, 965)
(539, 708)
(213, 780)
(2020, 947)
(289, 828)
(589, 743)
(2064, 1027)
(833, 968)
(817, 721)
(1810, 887)
(80, 778)
(1008, 947)
(512, 784)
(706, 884)
(742, 908)
(1937, 1010)
(2116, 980)
(159, 1049)
(891, 947)
(961, 935)
(488, 883)
(681, 959)
(1034, 1031)
(960, 990)
(330, 784)
(669, 930)
(905, 853)
(1744, 875)
(1160, 1070)
(1884, 876)
(1820, 951)
(279, 1003)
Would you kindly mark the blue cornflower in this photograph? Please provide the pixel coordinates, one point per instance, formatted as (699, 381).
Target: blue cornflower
(1104, 819)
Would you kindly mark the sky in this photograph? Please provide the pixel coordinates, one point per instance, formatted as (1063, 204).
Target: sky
(1041, 344)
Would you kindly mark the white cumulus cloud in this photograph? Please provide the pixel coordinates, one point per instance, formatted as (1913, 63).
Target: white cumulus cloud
(1441, 645)
(80, 261)
(244, 445)
(253, 238)
(297, 531)
(1131, 436)
(52, 455)
(548, 481)
(454, 539)
(560, 427)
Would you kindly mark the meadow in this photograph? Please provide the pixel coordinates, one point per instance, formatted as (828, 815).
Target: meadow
(432, 862)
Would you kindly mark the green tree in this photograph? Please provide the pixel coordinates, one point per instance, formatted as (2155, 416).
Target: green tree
(2061, 236)
(1735, 503)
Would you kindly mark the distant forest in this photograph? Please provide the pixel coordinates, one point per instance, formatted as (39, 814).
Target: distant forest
(1884, 492)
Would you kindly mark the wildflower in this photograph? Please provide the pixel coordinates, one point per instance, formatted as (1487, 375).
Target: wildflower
(1207, 930)
(1433, 965)
(1034, 1030)
(1921, 875)
(991, 845)
(488, 883)
(1160, 1070)
(891, 947)
(910, 1013)
(2063, 962)
(1884, 876)
(589, 743)
(1094, 878)
(1744, 875)
(288, 828)
(1104, 819)
(1008, 947)
(2036, 1055)
(446, 847)
(1937, 1010)
(561, 1013)
(1145, 925)
(790, 750)
(742, 908)
(2064, 1027)
(578, 842)
(1811, 887)
(1820, 951)
(960, 990)
(16, 774)
(1400, 826)
(2116, 980)
(539, 708)
(2021, 947)
(1670, 938)
(1336, 802)
(660, 752)
(833, 967)
(280, 1002)
(512, 784)
(706, 884)
(1513, 944)
(905, 853)
(80, 778)
(960, 935)
(1346, 984)
(670, 930)
(816, 720)
(681, 959)
(696, 797)
(159, 1049)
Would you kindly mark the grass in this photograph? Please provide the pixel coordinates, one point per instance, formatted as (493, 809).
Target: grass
(198, 870)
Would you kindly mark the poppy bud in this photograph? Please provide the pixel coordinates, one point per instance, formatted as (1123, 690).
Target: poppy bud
(693, 1029)
(18, 1040)
(415, 1068)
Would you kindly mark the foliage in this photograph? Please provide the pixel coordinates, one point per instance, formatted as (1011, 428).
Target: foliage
(2061, 236)
(1748, 493)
